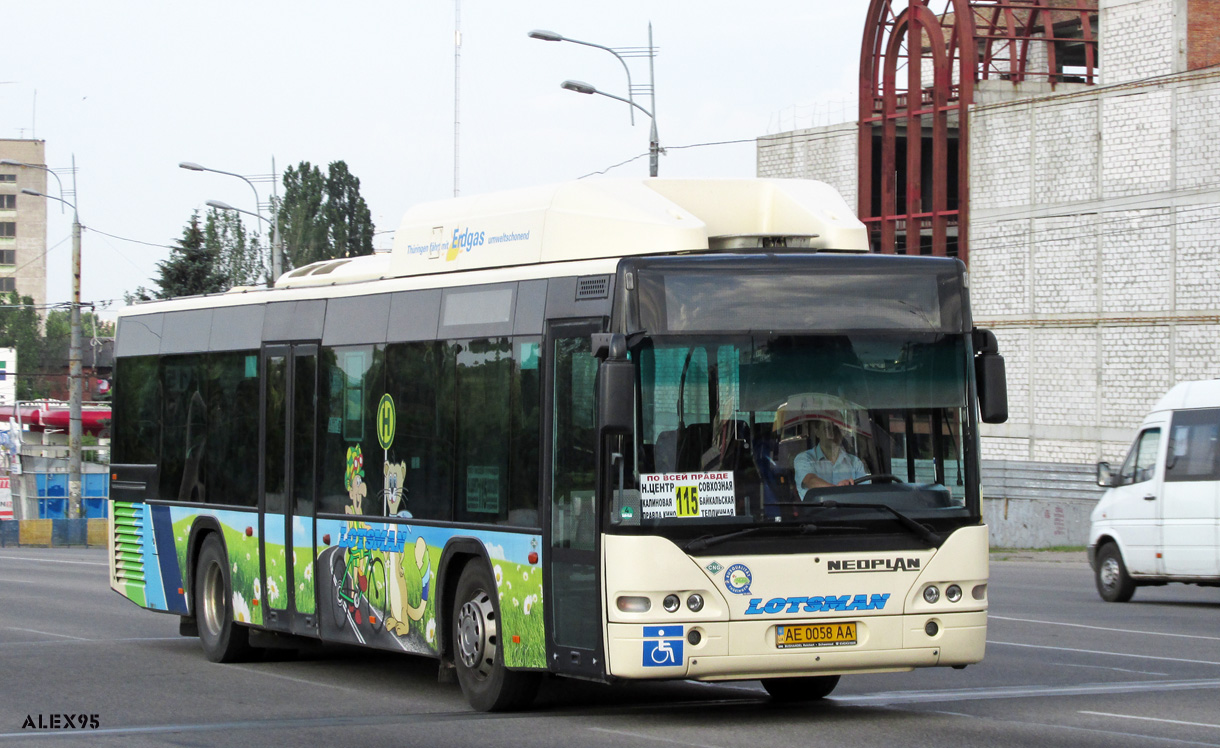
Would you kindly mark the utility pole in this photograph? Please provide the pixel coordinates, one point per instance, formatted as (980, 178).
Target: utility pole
(75, 385)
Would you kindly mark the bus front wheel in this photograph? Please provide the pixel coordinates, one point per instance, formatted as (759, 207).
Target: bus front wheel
(477, 654)
(223, 640)
(800, 689)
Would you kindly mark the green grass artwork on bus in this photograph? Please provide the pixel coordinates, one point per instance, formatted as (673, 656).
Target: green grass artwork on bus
(520, 593)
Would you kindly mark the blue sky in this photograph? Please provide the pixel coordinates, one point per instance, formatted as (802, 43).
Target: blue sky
(133, 88)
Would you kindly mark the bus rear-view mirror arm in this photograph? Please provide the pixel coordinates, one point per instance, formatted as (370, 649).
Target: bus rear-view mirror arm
(615, 384)
(990, 378)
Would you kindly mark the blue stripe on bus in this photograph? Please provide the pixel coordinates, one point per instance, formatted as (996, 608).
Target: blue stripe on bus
(167, 560)
(663, 631)
(154, 593)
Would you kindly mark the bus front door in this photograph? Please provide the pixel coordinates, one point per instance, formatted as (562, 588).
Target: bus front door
(286, 499)
(573, 594)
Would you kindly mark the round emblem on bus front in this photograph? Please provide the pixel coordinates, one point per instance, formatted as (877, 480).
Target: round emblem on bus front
(737, 579)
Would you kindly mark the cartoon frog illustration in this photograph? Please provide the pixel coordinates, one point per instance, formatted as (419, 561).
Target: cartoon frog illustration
(406, 612)
(353, 481)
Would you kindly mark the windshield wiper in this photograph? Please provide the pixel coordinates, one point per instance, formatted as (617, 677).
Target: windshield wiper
(706, 541)
(921, 531)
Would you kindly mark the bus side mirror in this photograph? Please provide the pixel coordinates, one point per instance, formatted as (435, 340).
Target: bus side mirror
(615, 384)
(990, 377)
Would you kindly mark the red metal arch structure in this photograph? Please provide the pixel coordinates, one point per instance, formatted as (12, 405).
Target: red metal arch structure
(920, 66)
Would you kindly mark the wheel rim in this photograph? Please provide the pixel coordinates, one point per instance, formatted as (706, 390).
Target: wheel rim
(1109, 573)
(477, 635)
(213, 599)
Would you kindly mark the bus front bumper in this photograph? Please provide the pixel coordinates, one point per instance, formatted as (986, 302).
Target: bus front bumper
(747, 650)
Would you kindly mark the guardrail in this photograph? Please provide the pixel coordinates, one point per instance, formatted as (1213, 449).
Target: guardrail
(1025, 505)
(1038, 504)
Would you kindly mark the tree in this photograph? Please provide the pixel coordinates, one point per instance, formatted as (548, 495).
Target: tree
(192, 267)
(302, 216)
(323, 218)
(348, 216)
(20, 328)
(59, 325)
(239, 257)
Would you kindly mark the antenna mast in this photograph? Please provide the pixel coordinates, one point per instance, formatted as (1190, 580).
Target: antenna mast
(457, 90)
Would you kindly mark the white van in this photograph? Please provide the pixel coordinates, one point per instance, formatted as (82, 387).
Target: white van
(1159, 521)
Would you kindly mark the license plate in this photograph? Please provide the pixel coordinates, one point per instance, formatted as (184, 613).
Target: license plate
(791, 636)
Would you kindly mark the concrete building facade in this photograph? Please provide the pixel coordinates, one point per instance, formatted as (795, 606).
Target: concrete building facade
(23, 220)
(1094, 224)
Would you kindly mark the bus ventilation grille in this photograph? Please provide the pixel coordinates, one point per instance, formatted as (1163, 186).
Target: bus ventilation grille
(592, 287)
(129, 542)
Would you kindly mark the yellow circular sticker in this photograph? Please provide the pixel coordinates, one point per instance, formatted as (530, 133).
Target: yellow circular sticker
(385, 421)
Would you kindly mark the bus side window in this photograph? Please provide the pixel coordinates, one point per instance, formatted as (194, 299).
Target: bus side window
(573, 491)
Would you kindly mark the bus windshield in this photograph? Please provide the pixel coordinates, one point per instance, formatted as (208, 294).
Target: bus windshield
(777, 428)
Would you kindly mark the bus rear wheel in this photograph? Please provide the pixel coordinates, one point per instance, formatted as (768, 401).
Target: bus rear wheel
(223, 640)
(800, 689)
(477, 654)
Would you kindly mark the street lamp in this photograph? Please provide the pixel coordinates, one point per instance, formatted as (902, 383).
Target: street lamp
(219, 205)
(11, 162)
(277, 249)
(551, 36)
(75, 394)
(654, 144)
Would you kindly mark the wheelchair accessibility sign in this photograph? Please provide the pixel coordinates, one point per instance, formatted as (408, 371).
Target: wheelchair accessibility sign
(663, 646)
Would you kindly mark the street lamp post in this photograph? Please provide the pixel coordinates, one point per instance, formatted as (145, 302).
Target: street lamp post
(277, 248)
(75, 385)
(654, 144)
(551, 36)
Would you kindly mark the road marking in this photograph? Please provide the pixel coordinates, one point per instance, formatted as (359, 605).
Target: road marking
(276, 724)
(1115, 669)
(1090, 730)
(1013, 692)
(652, 738)
(1154, 719)
(77, 640)
(53, 561)
(295, 680)
(48, 633)
(1104, 628)
(1100, 652)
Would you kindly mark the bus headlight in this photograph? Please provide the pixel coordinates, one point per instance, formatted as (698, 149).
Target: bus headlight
(695, 602)
(671, 603)
(931, 594)
(953, 593)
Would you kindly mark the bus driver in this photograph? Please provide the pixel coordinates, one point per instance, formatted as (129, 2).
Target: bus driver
(827, 464)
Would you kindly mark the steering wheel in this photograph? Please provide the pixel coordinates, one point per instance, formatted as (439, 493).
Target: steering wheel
(874, 477)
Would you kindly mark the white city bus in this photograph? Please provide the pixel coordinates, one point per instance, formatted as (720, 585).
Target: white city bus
(615, 429)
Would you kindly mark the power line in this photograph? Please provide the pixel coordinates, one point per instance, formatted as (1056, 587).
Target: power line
(670, 148)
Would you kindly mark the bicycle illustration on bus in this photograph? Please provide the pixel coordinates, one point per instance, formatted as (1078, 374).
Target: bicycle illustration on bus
(361, 587)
